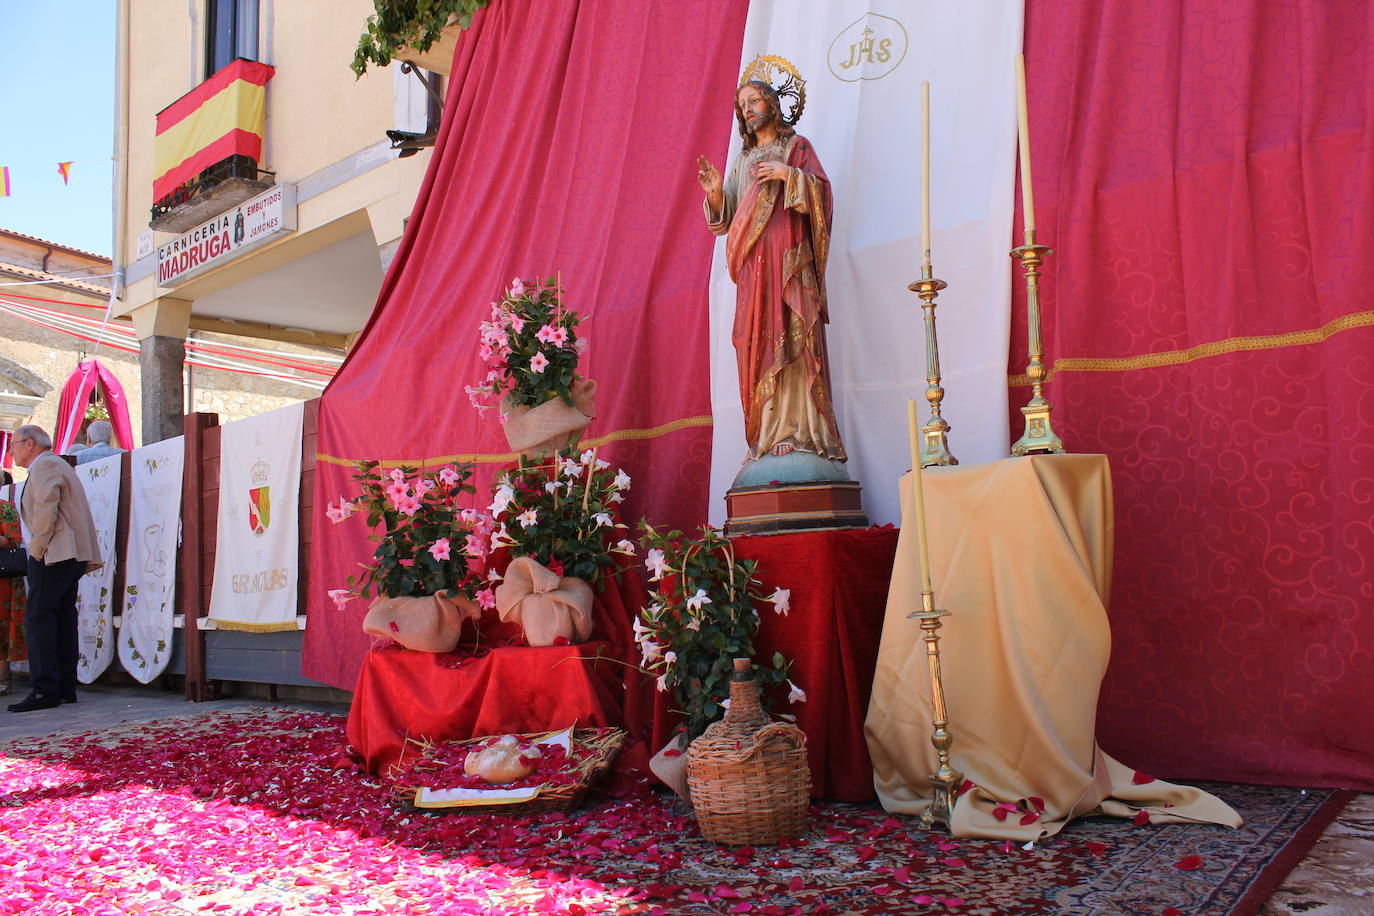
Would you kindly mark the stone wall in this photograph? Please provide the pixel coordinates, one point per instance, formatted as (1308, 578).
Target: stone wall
(53, 356)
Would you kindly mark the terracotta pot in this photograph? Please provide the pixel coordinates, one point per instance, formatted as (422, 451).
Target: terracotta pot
(550, 426)
(428, 623)
(547, 606)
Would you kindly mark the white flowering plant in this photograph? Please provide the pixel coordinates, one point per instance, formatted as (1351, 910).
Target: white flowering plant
(702, 614)
(530, 347)
(563, 512)
(424, 536)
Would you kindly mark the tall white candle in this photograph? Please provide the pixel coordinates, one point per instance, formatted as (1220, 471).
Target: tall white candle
(918, 494)
(925, 174)
(1023, 131)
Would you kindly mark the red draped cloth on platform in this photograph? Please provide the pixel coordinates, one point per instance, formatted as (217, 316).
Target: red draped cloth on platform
(838, 581)
(567, 148)
(1205, 174)
(502, 689)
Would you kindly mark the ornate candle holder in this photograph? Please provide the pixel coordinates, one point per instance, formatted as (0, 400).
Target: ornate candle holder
(935, 434)
(1039, 435)
(946, 780)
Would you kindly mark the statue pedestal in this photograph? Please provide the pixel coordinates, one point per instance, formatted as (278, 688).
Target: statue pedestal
(779, 508)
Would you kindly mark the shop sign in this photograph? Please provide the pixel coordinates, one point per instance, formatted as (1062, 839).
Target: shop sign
(232, 233)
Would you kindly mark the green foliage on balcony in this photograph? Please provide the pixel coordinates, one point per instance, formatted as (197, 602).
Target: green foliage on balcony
(408, 23)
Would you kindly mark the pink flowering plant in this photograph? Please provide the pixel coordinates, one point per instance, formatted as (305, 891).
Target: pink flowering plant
(564, 513)
(701, 615)
(529, 346)
(426, 540)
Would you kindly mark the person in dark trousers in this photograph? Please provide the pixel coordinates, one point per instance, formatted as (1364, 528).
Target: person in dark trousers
(62, 548)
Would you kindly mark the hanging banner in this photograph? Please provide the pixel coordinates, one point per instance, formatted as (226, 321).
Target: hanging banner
(863, 62)
(258, 543)
(94, 598)
(150, 571)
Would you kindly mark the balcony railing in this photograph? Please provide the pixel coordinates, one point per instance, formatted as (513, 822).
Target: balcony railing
(214, 190)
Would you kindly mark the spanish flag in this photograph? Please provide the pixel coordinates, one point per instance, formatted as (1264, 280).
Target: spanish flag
(4, 181)
(222, 117)
(65, 170)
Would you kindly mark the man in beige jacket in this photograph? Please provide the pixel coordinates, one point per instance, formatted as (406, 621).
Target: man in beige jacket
(62, 548)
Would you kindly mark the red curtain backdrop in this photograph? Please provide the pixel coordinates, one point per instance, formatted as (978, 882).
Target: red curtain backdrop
(567, 148)
(1205, 172)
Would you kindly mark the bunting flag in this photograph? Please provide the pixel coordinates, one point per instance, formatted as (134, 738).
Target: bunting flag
(222, 117)
(65, 170)
(4, 181)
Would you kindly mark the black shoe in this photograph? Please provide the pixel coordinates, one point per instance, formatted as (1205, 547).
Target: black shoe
(69, 697)
(34, 701)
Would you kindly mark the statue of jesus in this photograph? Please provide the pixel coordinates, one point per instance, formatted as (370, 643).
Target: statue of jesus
(774, 208)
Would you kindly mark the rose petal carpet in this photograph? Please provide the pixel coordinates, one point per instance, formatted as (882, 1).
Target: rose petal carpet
(261, 811)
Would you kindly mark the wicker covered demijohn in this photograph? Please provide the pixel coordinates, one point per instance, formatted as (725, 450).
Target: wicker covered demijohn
(748, 776)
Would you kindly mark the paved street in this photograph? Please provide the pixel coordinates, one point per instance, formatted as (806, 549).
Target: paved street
(101, 706)
(1334, 879)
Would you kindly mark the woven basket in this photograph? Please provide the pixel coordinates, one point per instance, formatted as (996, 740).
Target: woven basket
(596, 750)
(748, 776)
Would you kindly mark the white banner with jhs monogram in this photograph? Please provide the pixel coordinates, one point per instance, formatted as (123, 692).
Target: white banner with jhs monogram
(258, 543)
(150, 573)
(863, 62)
(94, 601)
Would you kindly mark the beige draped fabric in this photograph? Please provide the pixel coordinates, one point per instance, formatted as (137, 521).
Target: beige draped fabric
(1020, 554)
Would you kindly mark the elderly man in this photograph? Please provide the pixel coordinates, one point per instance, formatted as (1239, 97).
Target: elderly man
(62, 548)
(98, 436)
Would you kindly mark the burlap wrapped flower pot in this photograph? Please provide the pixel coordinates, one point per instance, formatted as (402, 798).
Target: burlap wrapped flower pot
(427, 623)
(547, 427)
(548, 607)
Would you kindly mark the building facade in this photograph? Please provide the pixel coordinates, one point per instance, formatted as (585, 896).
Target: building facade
(52, 300)
(260, 194)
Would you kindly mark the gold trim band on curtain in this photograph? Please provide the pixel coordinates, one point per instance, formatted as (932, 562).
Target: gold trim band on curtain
(1201, 351)
(619, 435)
(245, 627)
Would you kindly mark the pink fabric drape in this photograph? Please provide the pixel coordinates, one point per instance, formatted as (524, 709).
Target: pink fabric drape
(1205, 174)
(91, 375)
(567, 149)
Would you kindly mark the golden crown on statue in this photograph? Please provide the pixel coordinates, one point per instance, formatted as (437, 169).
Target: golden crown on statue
(786, 80)
(259, 472)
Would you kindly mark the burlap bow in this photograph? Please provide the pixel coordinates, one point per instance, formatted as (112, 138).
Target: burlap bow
(428, 623)
(546, 605)
(537, 431)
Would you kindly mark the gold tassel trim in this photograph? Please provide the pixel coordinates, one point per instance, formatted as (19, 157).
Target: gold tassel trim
(253, 627)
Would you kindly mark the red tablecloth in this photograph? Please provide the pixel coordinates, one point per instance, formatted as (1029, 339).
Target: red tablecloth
(838, 581)
(514, 689)
(505, 689)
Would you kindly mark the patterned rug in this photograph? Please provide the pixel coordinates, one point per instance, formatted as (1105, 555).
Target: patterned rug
(261, 812)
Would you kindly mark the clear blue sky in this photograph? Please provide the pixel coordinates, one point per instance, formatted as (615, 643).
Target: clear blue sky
(58, 77)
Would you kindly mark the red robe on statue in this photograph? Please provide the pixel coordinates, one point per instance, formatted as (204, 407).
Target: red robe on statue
(777, 242)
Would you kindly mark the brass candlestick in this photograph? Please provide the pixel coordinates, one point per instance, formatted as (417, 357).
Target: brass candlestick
(946, 780)
(1039, 435)
(935, 434)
